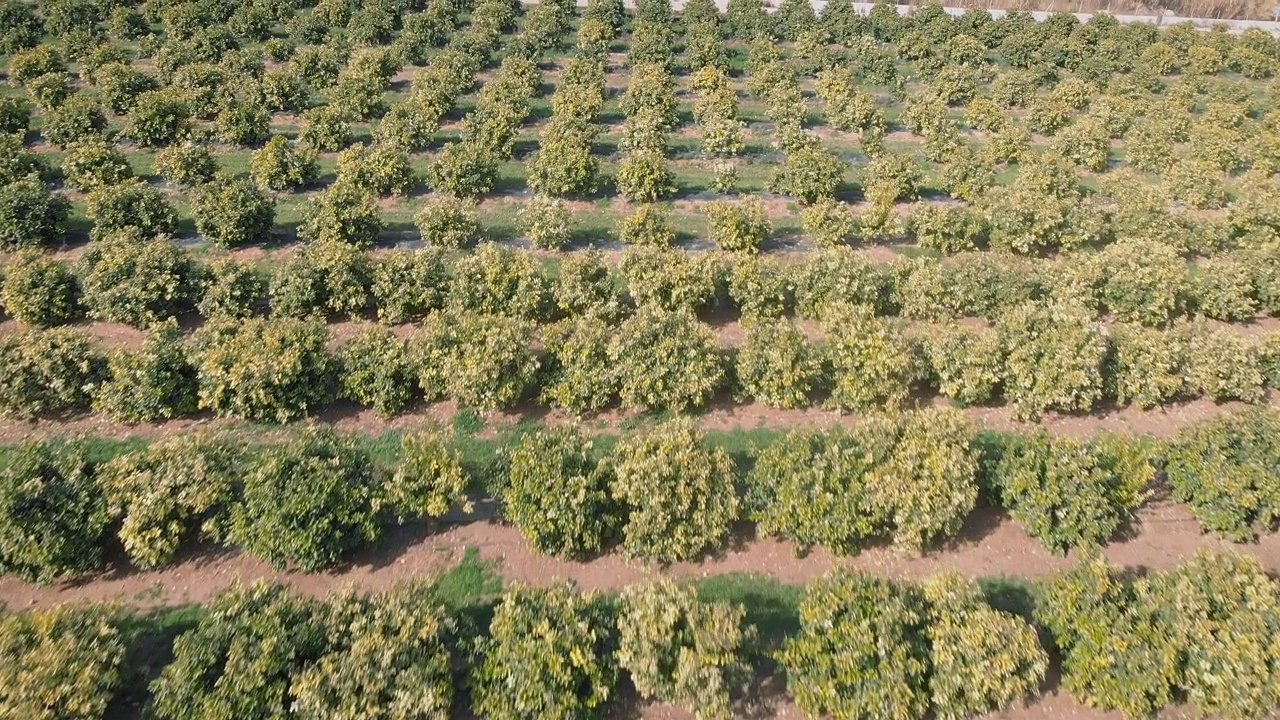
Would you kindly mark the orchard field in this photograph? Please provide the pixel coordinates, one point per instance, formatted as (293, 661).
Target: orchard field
(402, 359)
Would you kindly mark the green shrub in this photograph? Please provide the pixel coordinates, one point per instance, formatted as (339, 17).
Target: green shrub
(548, 654)
(131, 206)
(1221, 467)
(308, 502)
(977, 284)
(280, 166)
(17, 161)
(737, 227)
(408, 283)
(1220, 364)
(376, 372)
(547, 222)
(860, 651)
(761, 288)
(588, 286)
(46, 372)
(93, 162)
(158, 117)
(263, 370)
(680, 650)
(52, 514)
(188, 165)
(380, 169)
(241, 654)
(174, 490)
(1145, 367)
(39, 60)
(836, 277)
(428, 478)
(15, 116)
(557, 494)
(30, 215)
(810, 486)
(342, 213)
(132, 281)
(156, 382)
(808, 173)
(679, 495)
(450, 222)
(665, 360)
(39, 291)
(326, 128)
(73, 120)
(982, 659)
(777, 366)
(872, 364)
(829, 223)
(229, 289)
(582, 379)
(327, 278)
(946, 228)
(230, 212)
(481, 361)
(63, 663)
(563, 164)
(1054, 358)
(1069, 493)
(966, 364)
(1222, 288)
(463, 170)
(671, 279)
(644, 176)
(1140, 281)
(499, 280)
(120, 84)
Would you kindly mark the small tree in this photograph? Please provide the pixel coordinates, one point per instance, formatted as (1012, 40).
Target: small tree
(171, 491)
(280, 166)
(407, 284)
(158, 118)
(665, 360)
(381, 169)
(343, 213)
(463, 170)
(777, 366)
(132, 206)
(648, 225)
(582, 379)
(680, 650)
(47, 371)
(230, 212)
(499, 280)
(872, 363)
(188, 164)
(52, 514)
(645, 176)
(229, 289)
(155, 383)
(557, 495)
(1054, 358)
(92, 163)
(738, 227)
(679, 494)
(138, 282)
(264, 370)
(63, 662)
(376, 372)
(428, 478)
(447, 221)
(307, 503)
(30, 215)
(39, 291)
(547, 222)
(74, 119)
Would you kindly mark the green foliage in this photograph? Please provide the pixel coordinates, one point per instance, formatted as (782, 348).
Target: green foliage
(645, 176)
(52, 514)
(1054, 356)
(1139, 281)
(860, 652)
(547, 222)
(156, 382)
(761, 288)
(1041, 209)
(121, 84)
(308, 502)
(63, 663)
(463, 170)
(188, 165)
(648, 225)
(344, 213)
(30, 215)
(1223, 289)
(38, 290)
(1220, 363)
(171, 491)
(230, 212)
(46, 372)
(665, 360)
(836, 277)
(280, 166)
(1222, 468)
(482, 361)
(671, 279)
(326, 128)
(776, 364)
(680, 650)
(158, 118)
(407, 284)
(548, 655)
(499, 280)
(230, 290)
(239, 659)
(376, 372)
(949, 229)
(1070, 493)
(679, 495)
(583, 379)
(557, 494)
(94, 162)
(447, 221)
(428, 479)
(872, 363)
(263, 370)
(966, 364)
(133, 206)
(135, 281)
(74, 119)
(829, 223)
(808, 173)
(381, 169)
(739, 226)
(982, 659)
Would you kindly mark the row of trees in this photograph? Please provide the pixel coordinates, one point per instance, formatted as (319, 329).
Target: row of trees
(131, 278)
(665, 494)
(938, 647)
(1038, 358)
